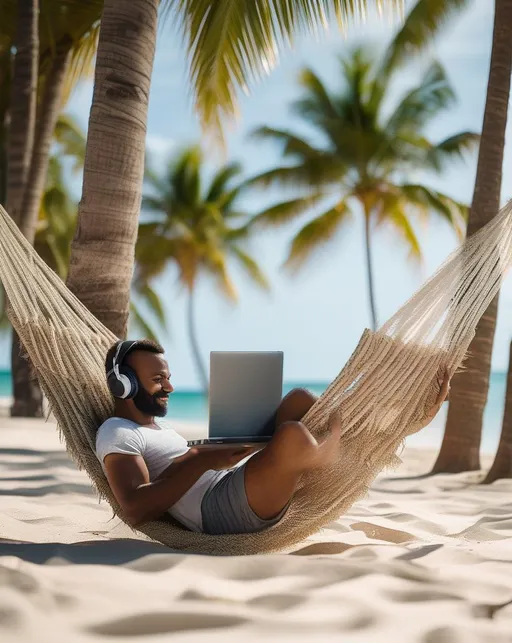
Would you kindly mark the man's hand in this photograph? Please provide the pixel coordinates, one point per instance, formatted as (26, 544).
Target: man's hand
(221, 458)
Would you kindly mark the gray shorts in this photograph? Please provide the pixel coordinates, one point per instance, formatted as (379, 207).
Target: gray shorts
(225, 509)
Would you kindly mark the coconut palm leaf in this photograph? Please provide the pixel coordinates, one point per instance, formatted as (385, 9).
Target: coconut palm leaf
(151, 298)
(70, 138)
(233, 42)
(184, 177)
(81, 65)
(140, 325)
(316, 234)
(454, 147)
(286, 211)
(426, 199)
(316, 101)
(250, 267)
(393, 214)
(425, 101)
(73, 22)
(423, 23)
(298, 177)
(293, 146)
(218, 187)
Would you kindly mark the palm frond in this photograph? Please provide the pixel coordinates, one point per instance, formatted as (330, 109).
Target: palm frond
(286, 211)
(217, 268)
(81, 65)
(218, 186)
(152, 178)
(151, 298)
(426, 199)
(250, 267)
(432, 95)
(231, 43)
(454, 147)
(396, 216)
(184, 175)
(315, 235)
(71, 139)
(154, 205)
(304, 176)
(423, 23)
(316, 100)
(139, 324)
(292, 145)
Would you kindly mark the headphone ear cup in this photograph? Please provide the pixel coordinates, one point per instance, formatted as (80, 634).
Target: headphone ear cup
(132, 384)
(116, 386)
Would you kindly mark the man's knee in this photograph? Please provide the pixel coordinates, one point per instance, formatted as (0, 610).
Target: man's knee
(301, 395)
(292, 433)
(300, 400)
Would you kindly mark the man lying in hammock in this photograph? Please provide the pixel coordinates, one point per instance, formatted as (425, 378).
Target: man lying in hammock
(151, 470)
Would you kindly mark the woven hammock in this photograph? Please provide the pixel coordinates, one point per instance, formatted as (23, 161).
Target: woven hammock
(383, 393)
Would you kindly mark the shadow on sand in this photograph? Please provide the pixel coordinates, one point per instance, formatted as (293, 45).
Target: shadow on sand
(90, 552)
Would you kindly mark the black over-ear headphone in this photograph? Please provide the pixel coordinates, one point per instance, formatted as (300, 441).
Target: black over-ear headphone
(122, 380)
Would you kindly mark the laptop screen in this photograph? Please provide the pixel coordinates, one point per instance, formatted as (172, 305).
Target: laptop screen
(245, 391)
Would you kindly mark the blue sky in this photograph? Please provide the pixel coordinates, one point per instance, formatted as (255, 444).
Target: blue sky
(317, 317)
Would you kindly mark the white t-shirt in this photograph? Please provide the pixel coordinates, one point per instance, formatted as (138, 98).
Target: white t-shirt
(158, 446)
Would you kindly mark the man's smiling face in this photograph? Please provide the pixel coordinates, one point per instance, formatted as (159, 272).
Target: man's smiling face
(154, 386)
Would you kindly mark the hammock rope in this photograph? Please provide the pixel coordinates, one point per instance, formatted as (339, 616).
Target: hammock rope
(383, 393)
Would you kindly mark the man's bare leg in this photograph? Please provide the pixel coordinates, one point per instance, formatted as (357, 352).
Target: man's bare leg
(272, 474)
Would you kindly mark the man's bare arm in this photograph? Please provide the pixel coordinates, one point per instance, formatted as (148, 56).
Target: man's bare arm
(142, 500)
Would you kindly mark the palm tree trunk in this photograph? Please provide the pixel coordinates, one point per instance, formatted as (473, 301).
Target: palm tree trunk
(22, 104)
(3, 161)
(460, 450)
(28, 398)
(192, 335)
(27, 394)
(369, 266)
(502, 465)
(102, 253)
(5, 69)
(47, 115)
(26, 391)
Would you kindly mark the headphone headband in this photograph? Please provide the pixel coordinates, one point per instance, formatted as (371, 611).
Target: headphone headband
(123, 348)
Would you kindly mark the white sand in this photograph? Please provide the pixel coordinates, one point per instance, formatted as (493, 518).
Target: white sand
(420, 559)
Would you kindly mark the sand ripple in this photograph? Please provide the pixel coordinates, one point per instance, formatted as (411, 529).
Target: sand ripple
(421, 559)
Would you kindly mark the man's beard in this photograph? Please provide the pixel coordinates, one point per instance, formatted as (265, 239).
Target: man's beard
(149, 404)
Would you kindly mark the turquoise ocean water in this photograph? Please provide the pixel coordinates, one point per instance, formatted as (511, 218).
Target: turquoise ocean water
(193, 406)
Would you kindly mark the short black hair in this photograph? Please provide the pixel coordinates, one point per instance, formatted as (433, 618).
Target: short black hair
(147, 345)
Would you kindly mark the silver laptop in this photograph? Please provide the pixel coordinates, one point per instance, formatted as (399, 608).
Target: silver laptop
(245, 392)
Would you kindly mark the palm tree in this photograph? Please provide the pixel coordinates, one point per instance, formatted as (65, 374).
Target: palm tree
(57, 213)
(52, 55)
(460, 450)
(197, 228)
(229, 43)
(28, 399)
(65, 44)
(23, 104)
(366, 158)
